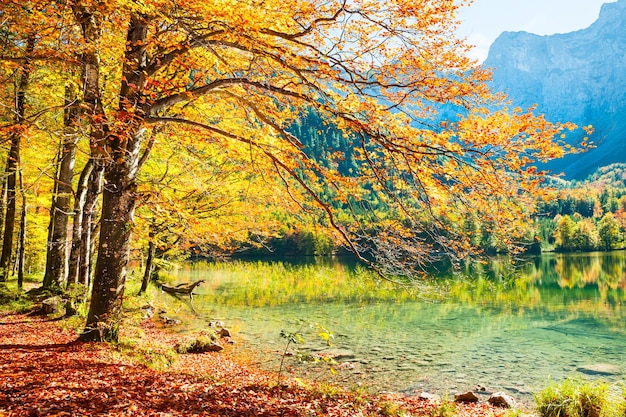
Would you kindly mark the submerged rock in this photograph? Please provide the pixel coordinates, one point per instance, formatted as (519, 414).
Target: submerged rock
(500, 399)
(600, 369)
(338, 354)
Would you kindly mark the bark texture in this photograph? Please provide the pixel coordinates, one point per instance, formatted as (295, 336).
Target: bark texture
(77, 225)
(57, 254)
(118, 206)
(120, 156)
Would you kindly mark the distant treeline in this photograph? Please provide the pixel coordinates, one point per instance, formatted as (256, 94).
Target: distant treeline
(588, 215)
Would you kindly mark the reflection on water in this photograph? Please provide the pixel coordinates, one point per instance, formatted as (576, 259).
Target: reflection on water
(504, 330)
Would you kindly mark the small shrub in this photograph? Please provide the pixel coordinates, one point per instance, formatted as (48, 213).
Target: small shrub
(328, 390)
(14, 300)
(360, 392)
(200, 344)
(572, 398)
(152, 355)
(390, 409)
(592, 399)
(156, 358)
(554, 400)
(444, 409)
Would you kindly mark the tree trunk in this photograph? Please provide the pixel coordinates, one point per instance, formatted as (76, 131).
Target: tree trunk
(118, 206)
(93, 242)
(121, 159)
(77, 225)
(57, 253)
(88, 20)
(149, 264)
(3, 202)
(9, 222)
(55, 186)
(21, 253)
(87, 238)
(13, 163)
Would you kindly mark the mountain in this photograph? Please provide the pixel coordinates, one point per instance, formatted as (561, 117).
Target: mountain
(578, 77)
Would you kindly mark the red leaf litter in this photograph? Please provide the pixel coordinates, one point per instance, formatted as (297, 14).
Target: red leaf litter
(45, 372)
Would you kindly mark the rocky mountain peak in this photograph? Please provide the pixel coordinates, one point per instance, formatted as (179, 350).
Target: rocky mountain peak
(578, 76)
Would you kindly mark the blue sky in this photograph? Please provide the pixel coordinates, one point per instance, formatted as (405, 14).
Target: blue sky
(484, 20)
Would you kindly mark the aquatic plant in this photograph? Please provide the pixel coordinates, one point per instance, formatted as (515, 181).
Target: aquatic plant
(573, 398)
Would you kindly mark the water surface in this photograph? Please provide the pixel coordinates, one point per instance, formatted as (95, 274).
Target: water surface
(505, 330)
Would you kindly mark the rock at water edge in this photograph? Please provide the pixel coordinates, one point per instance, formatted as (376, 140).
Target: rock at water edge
(433, 398)
(466, 397)
(500, 399)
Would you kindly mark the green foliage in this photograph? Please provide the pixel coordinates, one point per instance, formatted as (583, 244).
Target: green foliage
(565, 231)
(328, 390)
(554, 400)
(588, 215)
(200, 344)
(609, 232)
(152, 356)
(573, 398)
(582, 234)
(292, 337)
(390, 409)
(298, 240)
(14, 299)
(327, 144)
(277, 283)
(622, 407)
(307, 242)
(445, 408)
(296, 337)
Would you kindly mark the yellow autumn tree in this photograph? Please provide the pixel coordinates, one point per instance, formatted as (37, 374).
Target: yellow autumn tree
(433, 143)
(198, 199)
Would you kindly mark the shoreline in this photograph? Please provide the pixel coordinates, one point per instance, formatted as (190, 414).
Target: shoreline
(45, 372)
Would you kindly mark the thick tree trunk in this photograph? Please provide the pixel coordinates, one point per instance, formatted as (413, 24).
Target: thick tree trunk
(56, 257)
(118, 206)
(77, 225)
(121, 158)
(13, 164)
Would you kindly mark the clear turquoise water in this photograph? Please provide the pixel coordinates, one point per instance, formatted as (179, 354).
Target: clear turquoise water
(510, 332)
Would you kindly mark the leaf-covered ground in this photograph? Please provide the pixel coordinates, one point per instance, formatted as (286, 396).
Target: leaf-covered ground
(44, 372)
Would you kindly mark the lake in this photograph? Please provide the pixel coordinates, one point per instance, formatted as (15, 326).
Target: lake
(555, 316)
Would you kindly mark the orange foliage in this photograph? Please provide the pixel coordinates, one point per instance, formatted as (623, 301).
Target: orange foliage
(436, 146)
